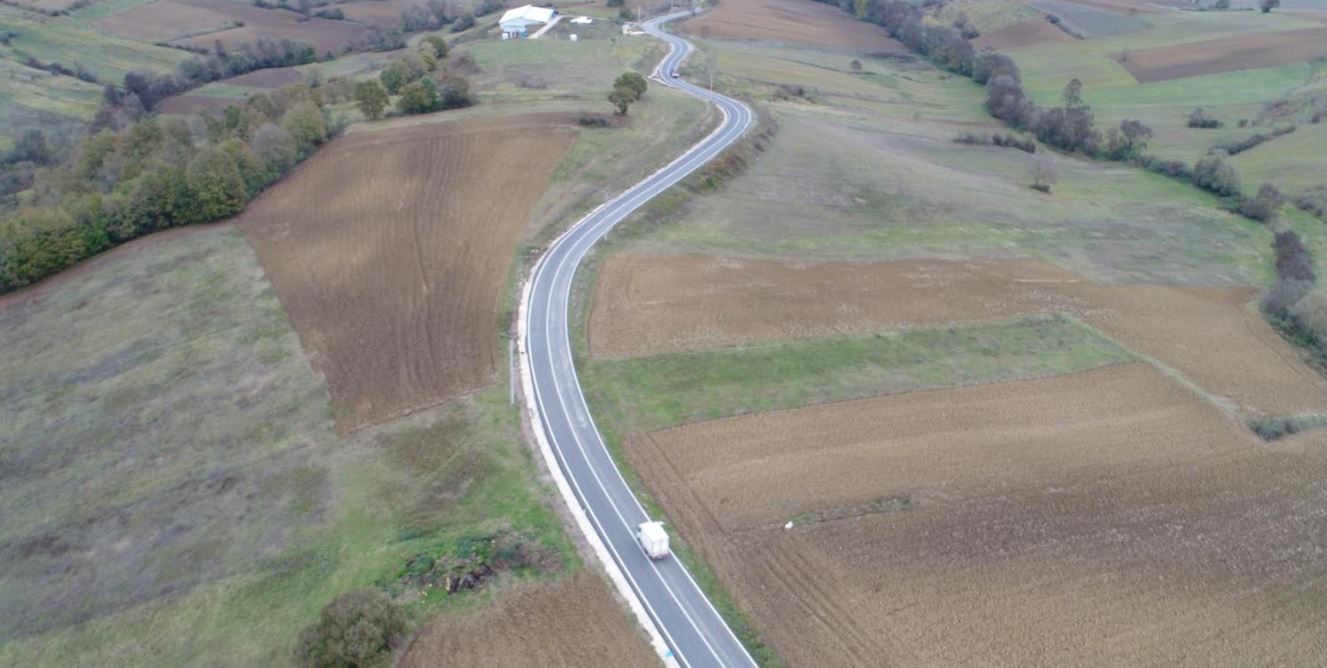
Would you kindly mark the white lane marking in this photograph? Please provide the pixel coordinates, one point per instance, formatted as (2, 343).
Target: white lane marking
(587, 228)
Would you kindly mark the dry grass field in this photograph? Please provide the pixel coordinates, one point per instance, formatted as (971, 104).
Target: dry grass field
(1105, 517)
(1225, 54)
(789, 21)
(391, 251)
(568, 623)
(646, 304)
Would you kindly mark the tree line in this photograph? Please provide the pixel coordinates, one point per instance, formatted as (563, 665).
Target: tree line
(422, 80)
(154, 174)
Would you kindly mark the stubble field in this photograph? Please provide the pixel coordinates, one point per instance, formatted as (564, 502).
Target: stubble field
(391, 250)
(1241, 52)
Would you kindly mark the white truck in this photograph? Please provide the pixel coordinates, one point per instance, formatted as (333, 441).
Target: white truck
(653, 539)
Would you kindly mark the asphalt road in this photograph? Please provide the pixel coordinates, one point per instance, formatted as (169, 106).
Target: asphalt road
(691, 627)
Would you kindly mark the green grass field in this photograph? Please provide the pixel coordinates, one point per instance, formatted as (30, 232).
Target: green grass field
(166, 444)
(649, 393)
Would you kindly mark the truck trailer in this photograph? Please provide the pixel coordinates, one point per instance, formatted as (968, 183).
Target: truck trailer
(653, 539)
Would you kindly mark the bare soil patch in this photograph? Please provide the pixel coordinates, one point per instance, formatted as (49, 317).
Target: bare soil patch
(647, 304)
(790, 21)
(390, 250)
(1225, 54)
(386, 13)
(573, 622)
(1108, 517)
(1023, 33)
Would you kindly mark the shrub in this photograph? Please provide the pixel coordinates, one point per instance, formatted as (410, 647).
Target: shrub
(1254, 140)
(1199, 118)
(1262, 207)
(358, 628)
(1214, 173)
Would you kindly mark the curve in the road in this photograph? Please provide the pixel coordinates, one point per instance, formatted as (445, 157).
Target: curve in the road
(605, 507)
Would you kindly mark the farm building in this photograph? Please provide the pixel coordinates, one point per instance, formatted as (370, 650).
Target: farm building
(516, 22)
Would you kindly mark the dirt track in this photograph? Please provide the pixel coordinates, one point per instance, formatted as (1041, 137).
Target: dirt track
(648, 304)
(1104, 518)
(790, 21)
(573, 622)
(390, 251)
(1225, 54)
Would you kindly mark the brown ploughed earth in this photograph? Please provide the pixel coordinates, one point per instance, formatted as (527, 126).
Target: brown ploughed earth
(390, 250)
(200, 23)
(790, 21)
(1023, 33)
(1108, 517)
(573, 622)
(1225, 54)
(647, 304)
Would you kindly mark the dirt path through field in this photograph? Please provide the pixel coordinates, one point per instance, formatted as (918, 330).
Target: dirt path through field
(390, 251)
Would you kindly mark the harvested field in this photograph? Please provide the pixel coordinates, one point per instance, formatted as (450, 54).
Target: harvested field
(573, 622)
(386, 13)
(650, 304)
(165, 20)
(1108, 517)
(271, 78)
(1023, 33)
(192, 104)
(201, 23)
(1225, 54)
(790, 21)
(390, 251)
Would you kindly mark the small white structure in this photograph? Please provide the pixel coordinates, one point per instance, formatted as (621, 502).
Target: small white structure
(653, 539)
(517, 22)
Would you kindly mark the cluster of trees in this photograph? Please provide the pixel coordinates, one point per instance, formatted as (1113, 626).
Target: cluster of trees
(438, 14)
(629, 87)
(155, 174)
(1200, 118)
(1008, 140)
(144, 90)
(415, 79)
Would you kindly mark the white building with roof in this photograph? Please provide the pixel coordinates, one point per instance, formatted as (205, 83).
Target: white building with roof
(518, 21)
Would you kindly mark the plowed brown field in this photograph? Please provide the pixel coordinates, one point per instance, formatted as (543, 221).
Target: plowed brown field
(575, 622)
(390, 249)
(647, 304)
(195, 23)
(1023, 33)
(1242, 52)
(1108, 517)
(792, 22)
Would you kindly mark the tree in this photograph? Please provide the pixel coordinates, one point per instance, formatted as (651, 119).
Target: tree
(454, 92)
(275, 147)
(1215, 173)
(632, 82)
(1135, 135)
(357, 629)
(216, 185)
(1199, 118)
(306, 125)
(30, 147)
(160, 199)
(1268, 5)
(1073, 94)
(395, 76)
(371, 98)
(250, 166)
(622, 97)
(1043, 173)
(419, 97)
(1221, 5)
(439, 46)
(1263, 206)
(855, 65)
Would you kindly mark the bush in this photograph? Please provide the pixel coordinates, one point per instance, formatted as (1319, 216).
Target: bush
(1254, 140)
(1199, 118)
(359, 628)
(1262, 207)
(1214, 173)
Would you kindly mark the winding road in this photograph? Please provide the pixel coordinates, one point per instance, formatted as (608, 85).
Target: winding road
(662, 593)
